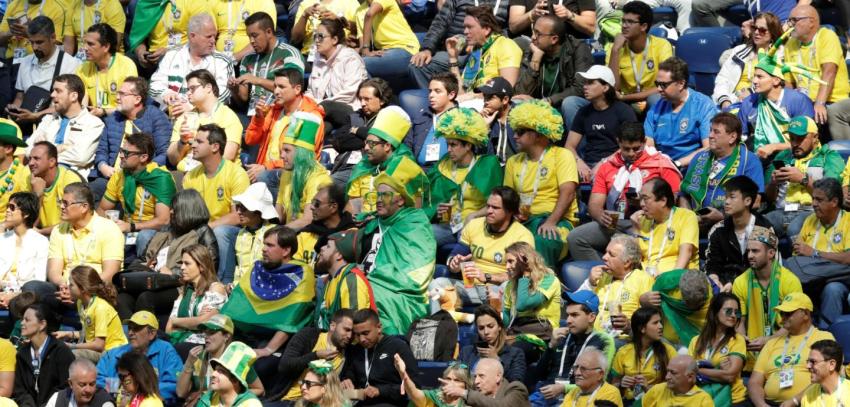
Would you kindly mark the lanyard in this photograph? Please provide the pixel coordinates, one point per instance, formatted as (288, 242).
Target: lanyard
(710, 351)
(589, 399)
(639, 75)
(663, 238)
(502, 144)
(812, 55)
(580, 351)
(97, 79)
(543, 79)
(368, 362)
(83, 17)
(175, 15)
(787, 358)
(831, 235)
(37, 358)
(646, 360)
(83, 311)
(619, 292)
(536, 175)
(231, 28)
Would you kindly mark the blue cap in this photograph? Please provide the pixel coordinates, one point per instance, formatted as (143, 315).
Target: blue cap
(583, 297)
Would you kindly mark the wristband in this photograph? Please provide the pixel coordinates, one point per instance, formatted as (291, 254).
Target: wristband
(132, 227)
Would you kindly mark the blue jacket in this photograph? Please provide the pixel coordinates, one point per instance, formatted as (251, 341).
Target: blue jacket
(163, 357)
(152, 120)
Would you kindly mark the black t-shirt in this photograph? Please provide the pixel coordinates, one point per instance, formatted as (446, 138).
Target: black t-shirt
(599, 129)
(576, 6)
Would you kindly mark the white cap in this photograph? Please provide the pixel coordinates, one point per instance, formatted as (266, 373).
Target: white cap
(257, 198)
(600, 72)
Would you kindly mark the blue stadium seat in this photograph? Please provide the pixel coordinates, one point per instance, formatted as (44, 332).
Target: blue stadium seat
(658, 31)
(429, 372)
(840, 329)
(702, 53)
(841, 147)
(667, 14)
(413, 100)
(574, 273)
(734, 33)
(466, 335)
(420, 37)
(441, 271)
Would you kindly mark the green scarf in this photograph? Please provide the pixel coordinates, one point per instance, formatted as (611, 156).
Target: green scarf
(364, 167)
(772, 123)
(772, 294)
(154, 179)
(473, 72)
(675, 310)
(206, 399)
(721, 393)
(146, 15)
(696, 181)
(180, 335)
(436, 398)
(484, 175)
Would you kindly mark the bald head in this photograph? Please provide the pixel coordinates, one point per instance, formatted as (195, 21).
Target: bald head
(806, 22)
(488, 376)
(681, 374)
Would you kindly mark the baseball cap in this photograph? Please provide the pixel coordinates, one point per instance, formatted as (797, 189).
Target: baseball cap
(497, 86)
(802, 126)
(143, 318)
(795, 301)
(583, 297)
(599, 72)
(219, 322)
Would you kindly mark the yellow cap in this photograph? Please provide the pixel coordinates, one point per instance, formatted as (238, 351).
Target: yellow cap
(795, 301)
(143, 318)
(391, 125)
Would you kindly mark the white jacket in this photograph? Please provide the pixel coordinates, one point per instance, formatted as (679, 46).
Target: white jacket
(31, 261)
(81, 138)
(176, 64)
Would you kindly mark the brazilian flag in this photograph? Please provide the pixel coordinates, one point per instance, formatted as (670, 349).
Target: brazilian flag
(281, 299)
(484, 175)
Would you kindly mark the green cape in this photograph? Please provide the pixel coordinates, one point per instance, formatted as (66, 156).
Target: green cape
(154, 179)
(485, 175)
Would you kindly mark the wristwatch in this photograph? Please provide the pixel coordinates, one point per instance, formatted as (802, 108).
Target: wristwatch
(815, 253)
(805, 180)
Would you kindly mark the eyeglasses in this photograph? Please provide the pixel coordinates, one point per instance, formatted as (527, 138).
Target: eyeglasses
(309, 383)
(65, 204)
(627, 21)
(122, 94)
(373, 143)
(540, 34)
(761, 30)
(11, 207)
(584, 369)
(193, 88)
(128, 153)
(786, 315)
(731, 312)
(795, 20)
(318, 204)
(663, 85)
(319, 37)
(385, 197)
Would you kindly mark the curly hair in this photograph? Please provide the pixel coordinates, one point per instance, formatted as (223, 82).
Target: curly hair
(463, 124)
(538, 116)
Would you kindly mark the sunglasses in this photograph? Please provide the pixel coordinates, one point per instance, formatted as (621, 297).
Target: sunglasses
(663, 85)
(730, 312)
(795, 20)
(128, 153)
(309, 383)
(11, 207)
(761, 30)
(373, 143)
(319, 37)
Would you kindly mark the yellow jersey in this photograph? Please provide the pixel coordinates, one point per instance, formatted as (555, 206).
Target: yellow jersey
(555, 167)
(14, 179)
(316, 180)
(100, 320)
(19, 47)
(172, 29)
(488, 249)
(115, 194)
(832, 239)
(100, 240)
(389, 28)
(772, 360)
(7, 356)
(604, 392)
(625, 365)
(735, 347)
(230, 19)
(503, 53)
(815, 397)
(825, 48)
(249, 250)
(661, 396)
(621, 296)
(222, 116)
(660, 242)
(102, 88)
(345, 8)
(108, 12)
(643, 65)
(48, 212)
(218, 192)
(550, 309)
(306, 247)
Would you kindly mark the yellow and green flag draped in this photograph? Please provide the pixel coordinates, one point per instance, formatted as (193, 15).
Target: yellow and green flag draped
(403, 268)
(146, 15)
(486, 173)
(399, 162)
(281, 299)
(686, 322)
(154, 179)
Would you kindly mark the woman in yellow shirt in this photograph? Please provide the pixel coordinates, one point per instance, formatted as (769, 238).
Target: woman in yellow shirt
(643, 362)
(139, 382)
(721, 351)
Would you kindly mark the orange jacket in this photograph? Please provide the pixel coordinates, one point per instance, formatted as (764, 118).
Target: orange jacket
(261, 126)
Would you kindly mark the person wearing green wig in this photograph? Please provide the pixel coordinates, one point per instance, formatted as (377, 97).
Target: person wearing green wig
(462, 180)
(545, 176)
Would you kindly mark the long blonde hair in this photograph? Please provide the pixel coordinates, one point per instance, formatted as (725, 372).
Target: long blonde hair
(527, 259)
(333, 397)
(201, 255)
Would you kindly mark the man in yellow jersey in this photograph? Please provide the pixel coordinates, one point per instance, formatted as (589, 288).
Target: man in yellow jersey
(48, 181)
(591, 369)
(819, 49)
(14, 175)
(636, 55)
(789, 187)
(483, 242)
(384, 152)
(85, 13)
(311, 344)
(203, 92)
(760, 289)
(257, 70)
(680, 388)
(781, 370)
(329, 217)
(829, 388)
(72, 128)
(131, 116)
(218, 180)
(272, 121)
(230, 19)
(255, 207)
(347, 286)
(158, 26)
(619, 283)
(545, 176)
(13, 28)
(169, 84)
(142, 188)
(105, 68)
(821, 256)
(308, 16)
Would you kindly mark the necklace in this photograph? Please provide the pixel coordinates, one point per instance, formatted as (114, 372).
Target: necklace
(7, 180)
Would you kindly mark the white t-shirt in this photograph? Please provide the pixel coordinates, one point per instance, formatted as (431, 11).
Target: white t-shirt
(34, 73)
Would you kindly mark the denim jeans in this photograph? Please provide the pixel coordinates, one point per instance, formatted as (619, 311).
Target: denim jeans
(272, 180)
(443, 234)
(226, 237)
(142, 239)
(794, 219)
(833, 300)
(421, 75)
(392, 66)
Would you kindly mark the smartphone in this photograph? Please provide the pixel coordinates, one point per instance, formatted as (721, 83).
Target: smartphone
(779, 164)
(13, 109)
(703, 211)
(482, 344)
